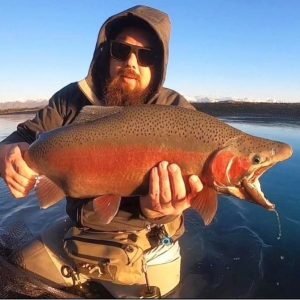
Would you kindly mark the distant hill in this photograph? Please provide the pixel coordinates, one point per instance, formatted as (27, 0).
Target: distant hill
(244, 108)
(222, 107)
(287, 112)
(21, 106)
(206, 99)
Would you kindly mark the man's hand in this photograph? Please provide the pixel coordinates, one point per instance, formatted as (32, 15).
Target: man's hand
(167, 192)
(19, 178)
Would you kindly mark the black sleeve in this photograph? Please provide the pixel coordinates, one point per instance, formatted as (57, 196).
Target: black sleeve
(62, 108)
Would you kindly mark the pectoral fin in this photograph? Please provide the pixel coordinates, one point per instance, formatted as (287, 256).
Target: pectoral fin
(106, 207)
(206, 204)
(48, 193)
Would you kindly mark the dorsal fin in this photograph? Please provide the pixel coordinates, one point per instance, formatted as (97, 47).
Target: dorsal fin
(92, 112)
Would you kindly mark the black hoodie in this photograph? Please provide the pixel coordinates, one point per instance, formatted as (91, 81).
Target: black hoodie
(64, 106)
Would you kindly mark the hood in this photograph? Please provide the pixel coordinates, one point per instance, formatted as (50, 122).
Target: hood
(157, 20)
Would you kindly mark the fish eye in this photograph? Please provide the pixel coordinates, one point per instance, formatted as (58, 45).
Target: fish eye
(256, 159)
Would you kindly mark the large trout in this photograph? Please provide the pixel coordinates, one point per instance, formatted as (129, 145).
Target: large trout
(109, 152)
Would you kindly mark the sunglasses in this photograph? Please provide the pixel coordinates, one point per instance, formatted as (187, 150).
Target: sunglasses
(121, 51)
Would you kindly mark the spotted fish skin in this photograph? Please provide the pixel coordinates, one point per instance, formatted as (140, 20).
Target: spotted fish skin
(111, 150)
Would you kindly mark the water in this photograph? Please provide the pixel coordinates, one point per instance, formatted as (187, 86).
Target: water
(240, 255)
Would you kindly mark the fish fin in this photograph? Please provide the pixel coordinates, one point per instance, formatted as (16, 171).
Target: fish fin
(106, 207)
(92, 112)
(206, 204)
(48, 192)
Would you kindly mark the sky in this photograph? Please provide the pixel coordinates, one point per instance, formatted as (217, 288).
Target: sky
(219, 48)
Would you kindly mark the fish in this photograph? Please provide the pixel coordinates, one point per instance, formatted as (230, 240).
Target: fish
(108, 153)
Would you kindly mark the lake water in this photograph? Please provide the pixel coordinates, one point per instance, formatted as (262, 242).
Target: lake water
(241, 254)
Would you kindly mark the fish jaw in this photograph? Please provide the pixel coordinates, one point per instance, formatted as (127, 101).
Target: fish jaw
(253, 193)
(248, 188)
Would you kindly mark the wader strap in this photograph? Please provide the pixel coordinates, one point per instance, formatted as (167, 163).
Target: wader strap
(175, 229)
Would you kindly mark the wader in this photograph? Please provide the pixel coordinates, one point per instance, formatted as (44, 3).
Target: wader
(46, 257)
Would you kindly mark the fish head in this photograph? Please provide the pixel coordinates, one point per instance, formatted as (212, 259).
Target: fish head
(236, 168)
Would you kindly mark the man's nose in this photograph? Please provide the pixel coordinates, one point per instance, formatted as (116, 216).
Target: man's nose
(132, 61)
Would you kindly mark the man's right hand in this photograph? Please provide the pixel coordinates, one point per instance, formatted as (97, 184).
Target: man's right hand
(19, 178)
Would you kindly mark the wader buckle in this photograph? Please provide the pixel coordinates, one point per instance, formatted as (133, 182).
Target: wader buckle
(69, 272)
(163, 236)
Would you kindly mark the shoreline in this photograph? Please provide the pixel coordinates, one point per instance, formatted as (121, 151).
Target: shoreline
(257, 113)
(18, 111)
(282, 111)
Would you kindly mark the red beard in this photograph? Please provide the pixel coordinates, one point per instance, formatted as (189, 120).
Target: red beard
(118, 94)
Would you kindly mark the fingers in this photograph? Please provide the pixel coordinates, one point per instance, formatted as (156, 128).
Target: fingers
(19, 178)
(160, 188)
(167, 191)
(22, 169)
(19, 190)
(157, 203)
(154, 193)
(179, 199)
(21, 183)
(177, 183)
(195, 185)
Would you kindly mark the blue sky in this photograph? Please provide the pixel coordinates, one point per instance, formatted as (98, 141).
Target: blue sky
(219, 48)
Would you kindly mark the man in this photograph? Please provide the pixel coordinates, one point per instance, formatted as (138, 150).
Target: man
(128, 68)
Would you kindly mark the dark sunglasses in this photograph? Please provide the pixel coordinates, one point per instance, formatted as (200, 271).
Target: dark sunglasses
(121, 51)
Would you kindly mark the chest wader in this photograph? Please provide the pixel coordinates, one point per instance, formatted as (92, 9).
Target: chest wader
(147, 259)
(150, 258)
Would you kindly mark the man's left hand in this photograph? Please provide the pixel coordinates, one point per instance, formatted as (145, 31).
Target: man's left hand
(167, 191)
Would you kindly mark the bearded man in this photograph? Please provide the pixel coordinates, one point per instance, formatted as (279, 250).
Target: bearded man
(128, 68)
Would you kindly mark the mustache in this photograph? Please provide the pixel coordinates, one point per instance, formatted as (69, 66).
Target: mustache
(129, 73)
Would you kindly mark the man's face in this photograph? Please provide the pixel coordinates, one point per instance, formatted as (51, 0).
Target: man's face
(129, 72)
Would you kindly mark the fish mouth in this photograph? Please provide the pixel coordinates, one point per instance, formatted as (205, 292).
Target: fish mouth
(248, 188)
(251, 189)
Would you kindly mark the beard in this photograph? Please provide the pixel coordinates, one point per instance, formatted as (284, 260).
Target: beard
(119, 94)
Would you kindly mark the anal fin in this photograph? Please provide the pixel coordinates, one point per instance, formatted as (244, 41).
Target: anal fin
(206, 204)
(106, 207)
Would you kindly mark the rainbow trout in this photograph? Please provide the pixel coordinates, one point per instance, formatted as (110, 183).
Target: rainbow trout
(108, 152)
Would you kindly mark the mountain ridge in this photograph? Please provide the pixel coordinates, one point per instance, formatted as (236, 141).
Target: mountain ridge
(226, 105)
